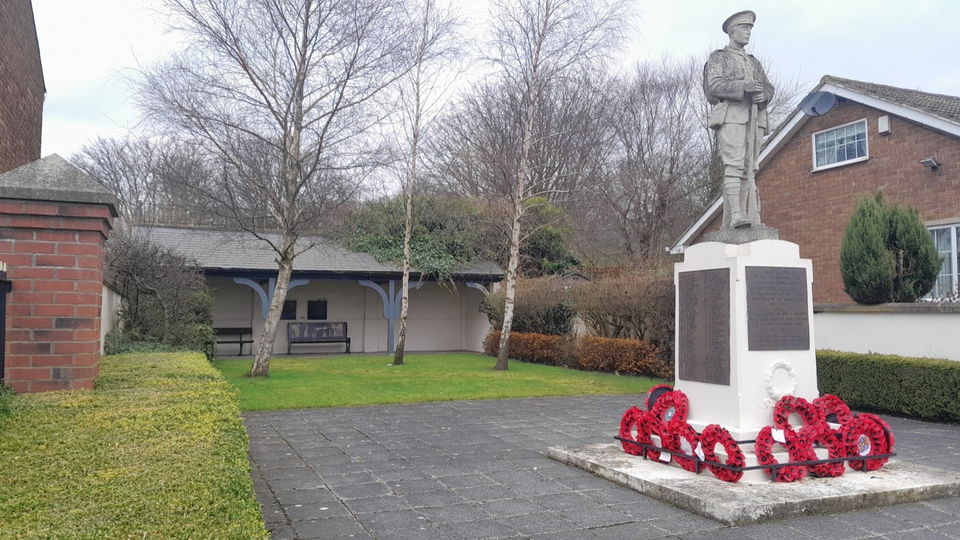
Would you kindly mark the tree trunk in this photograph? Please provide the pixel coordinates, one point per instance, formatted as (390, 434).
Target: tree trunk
(511, 287)
(405, 282)
(261, 363)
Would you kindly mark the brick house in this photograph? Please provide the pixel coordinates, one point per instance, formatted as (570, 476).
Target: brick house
(813, 171)
(21, 85)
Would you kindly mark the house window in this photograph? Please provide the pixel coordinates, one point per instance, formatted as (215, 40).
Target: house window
(945, 239)
(317, 310)
(840, 145)
(289, 312)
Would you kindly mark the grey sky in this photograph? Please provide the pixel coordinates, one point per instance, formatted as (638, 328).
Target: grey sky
(91, 47)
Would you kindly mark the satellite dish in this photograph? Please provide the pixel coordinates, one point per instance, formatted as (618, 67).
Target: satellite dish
(818, 103)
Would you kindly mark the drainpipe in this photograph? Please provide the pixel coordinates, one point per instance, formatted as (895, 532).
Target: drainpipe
(5, 287)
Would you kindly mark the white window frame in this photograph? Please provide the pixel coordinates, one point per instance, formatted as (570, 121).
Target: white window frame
(866, 144)
(954, 229)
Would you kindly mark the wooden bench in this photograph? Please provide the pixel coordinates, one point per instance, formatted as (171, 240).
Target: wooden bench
(317, 332)
(236, 335)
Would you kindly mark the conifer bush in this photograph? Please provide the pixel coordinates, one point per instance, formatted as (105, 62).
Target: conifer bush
(887, 254)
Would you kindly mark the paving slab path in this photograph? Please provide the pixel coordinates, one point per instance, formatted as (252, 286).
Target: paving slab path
(475, 469)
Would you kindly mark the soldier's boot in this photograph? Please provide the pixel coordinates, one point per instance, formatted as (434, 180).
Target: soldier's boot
(731, 194)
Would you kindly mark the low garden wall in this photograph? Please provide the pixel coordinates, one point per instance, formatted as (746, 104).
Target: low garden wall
(157, 450)
(921, 330)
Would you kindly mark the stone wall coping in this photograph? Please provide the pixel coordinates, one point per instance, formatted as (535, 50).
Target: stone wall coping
(916, 307)
(55, 179)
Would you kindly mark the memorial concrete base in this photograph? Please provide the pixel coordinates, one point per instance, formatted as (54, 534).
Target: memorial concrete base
(744, 332)
(738, 503)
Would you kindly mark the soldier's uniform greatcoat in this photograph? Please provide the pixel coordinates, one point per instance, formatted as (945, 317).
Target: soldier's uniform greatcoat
(725, 75)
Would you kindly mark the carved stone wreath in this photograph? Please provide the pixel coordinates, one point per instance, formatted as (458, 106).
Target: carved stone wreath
(776, 386)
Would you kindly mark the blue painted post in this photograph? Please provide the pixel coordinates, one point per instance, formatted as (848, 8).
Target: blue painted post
(391, 319)
(391, 305)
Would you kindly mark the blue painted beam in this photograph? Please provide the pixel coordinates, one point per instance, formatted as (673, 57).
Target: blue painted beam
(266, 296)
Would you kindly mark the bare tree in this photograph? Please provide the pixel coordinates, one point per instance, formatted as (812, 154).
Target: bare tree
(658, 167)
(128, 168)
(420, 91)
(539, 43)
(147, 174)
(281, 97)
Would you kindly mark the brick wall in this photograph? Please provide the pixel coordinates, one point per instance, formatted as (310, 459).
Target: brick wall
(21, 86)
(55, 258)
(812, 209)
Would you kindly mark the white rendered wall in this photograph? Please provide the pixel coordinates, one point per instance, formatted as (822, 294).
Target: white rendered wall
(109, 312)
(927, 335)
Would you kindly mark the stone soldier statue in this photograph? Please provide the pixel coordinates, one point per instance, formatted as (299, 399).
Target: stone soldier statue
(739, 91)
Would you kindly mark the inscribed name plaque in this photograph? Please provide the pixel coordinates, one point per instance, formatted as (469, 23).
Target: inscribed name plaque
(703, 345)
(777, 318)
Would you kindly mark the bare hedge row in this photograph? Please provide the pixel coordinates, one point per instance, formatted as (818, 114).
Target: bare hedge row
(624, 356)
(633, 304)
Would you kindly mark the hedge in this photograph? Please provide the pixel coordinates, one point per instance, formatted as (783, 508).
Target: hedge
(918, 387)
(624, 356)
(157, 450)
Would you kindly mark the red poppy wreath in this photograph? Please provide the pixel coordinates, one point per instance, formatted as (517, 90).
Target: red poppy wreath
(713, 435)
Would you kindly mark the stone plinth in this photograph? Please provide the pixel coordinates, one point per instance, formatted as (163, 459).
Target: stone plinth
(744, 332)
(738, 503)
(742, 236)
(54, 221)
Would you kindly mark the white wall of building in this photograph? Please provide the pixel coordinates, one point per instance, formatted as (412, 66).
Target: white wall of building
(926, 335)
(109, 313)
(441, 318)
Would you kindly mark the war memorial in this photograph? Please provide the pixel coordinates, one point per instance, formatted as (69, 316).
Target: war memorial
(744, 435)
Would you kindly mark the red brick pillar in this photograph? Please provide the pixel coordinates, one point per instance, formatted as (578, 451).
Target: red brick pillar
(54, 251)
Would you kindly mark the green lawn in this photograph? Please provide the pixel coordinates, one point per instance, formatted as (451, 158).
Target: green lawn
(357, 379)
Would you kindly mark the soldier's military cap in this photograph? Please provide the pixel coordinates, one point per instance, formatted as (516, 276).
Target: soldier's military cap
(742, 17)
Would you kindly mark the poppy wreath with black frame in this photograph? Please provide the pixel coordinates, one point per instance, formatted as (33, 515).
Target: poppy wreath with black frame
(830, 404)
(713, 435)
(654, 393)
(678, 434)
(793, 404)
(630, 423)
(887, 430)
(824, 436)
(672, 408)
(797, 448)
(863, 437)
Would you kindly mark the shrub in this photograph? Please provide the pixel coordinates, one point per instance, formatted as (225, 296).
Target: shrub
(636, 304)
(915, 257)
(447, 232)
(551, 350)
(164, 298)
(158, 450)
(625, 356)
(628, 356)
(887, 254)
(921, 387)
(542, 306)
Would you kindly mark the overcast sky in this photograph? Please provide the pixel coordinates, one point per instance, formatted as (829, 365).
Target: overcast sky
(91, 48)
